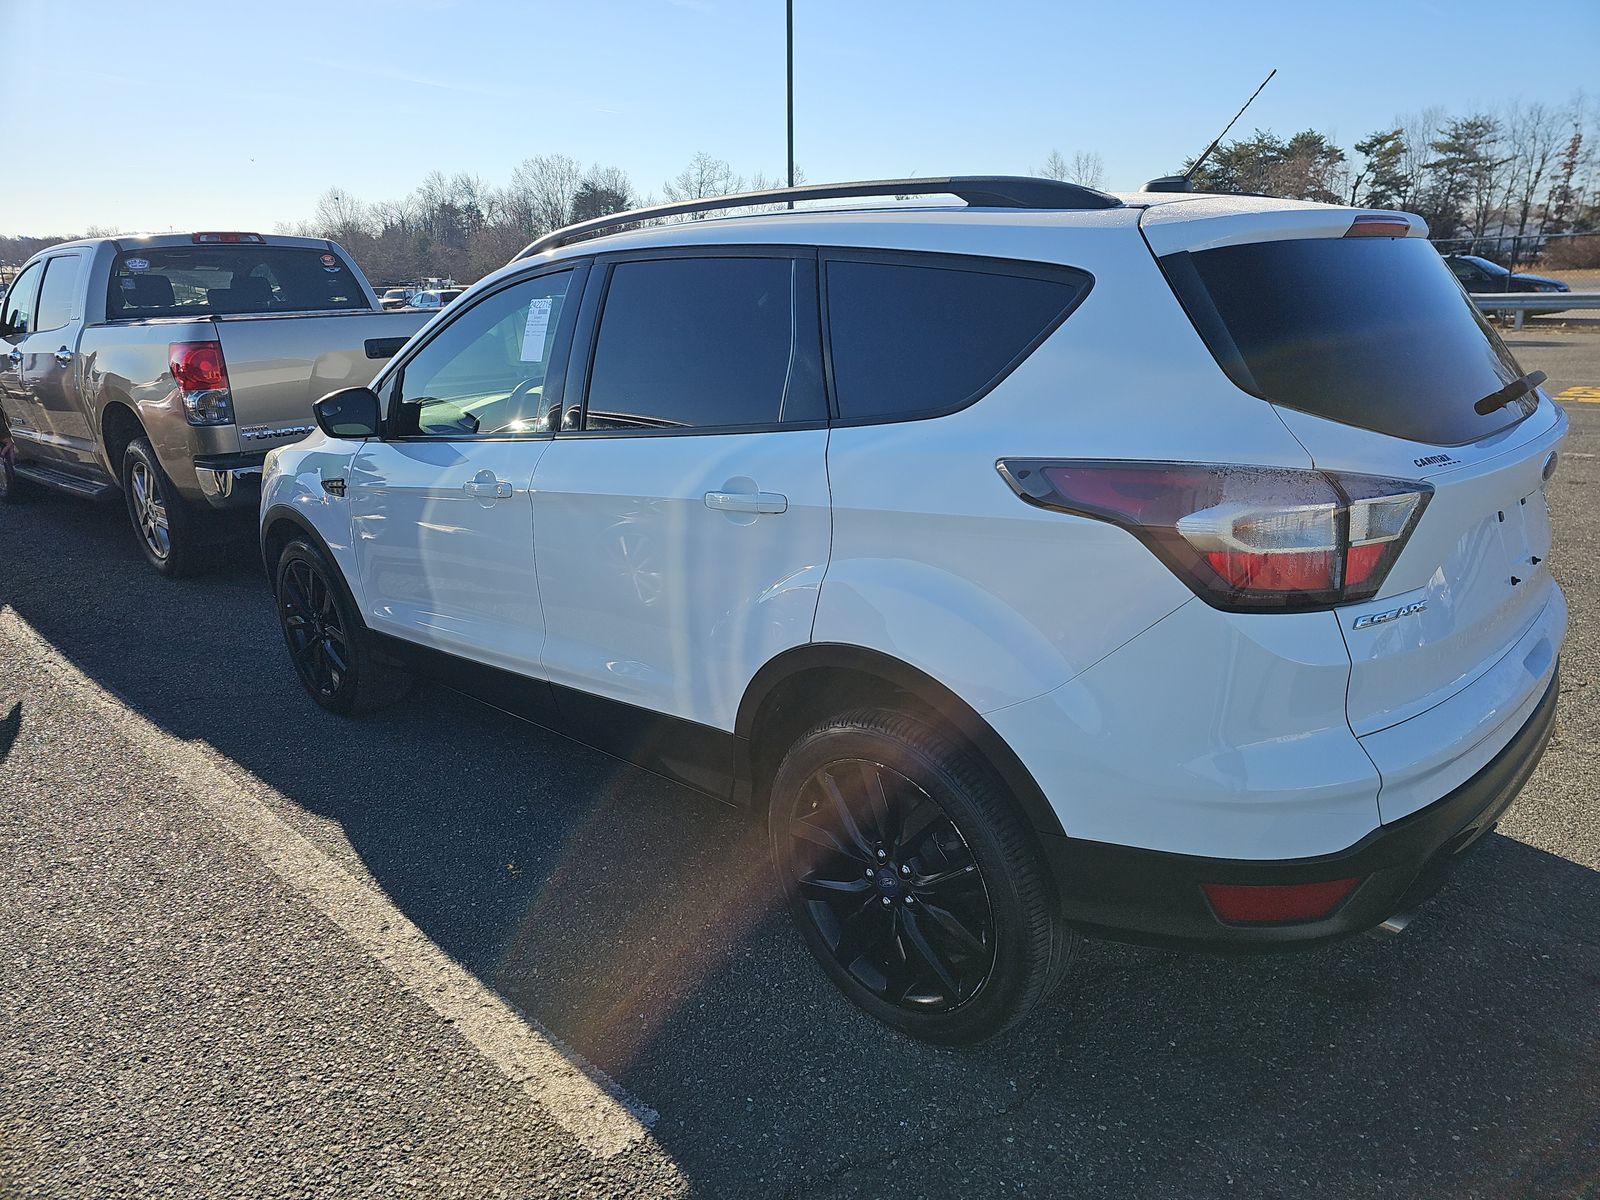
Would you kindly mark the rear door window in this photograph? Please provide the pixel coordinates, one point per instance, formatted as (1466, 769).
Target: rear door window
(1371, 332)
(707, 343)
(202, 281)
(913, 337)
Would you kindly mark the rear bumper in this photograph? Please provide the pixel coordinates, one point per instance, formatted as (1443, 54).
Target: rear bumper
(230, 480)
(1154, 897)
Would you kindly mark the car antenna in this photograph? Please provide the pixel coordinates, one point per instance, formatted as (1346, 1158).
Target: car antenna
(1180, 183)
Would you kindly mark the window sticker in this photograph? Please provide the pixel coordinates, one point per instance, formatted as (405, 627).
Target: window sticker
(330, 263)
(533, 333)
(136, 264)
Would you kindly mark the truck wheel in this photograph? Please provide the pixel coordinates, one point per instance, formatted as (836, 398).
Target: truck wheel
(13, 490)
(173, 535)
(914, 881)
(330, 645)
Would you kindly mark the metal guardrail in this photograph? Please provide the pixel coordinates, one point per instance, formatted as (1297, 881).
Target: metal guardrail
(1520, 304)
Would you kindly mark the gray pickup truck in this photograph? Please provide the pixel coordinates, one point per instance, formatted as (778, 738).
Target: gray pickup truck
(166, 367)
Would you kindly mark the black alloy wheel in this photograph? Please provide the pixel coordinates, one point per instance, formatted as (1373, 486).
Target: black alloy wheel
(314, 629)
(914, 878)
(333, 651)
(891, 887)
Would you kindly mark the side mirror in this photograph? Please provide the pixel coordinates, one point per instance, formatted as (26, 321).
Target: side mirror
(352, 412)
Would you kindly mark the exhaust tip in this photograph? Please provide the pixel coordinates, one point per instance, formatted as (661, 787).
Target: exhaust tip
(1394, 926)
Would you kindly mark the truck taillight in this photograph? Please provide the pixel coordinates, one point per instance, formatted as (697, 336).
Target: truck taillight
(1245, 539)
(202, 377)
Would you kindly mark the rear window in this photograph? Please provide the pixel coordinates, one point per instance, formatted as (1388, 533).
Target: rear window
(1371, 332)
(915, 339)
(201, 281)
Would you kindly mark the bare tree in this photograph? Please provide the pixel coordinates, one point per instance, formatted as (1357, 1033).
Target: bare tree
(342, 217)
(1533, 134)
(1086, 168)
(1417, 133)
(704, 176)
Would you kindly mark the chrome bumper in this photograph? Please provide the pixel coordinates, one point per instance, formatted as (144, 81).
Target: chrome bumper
(231, 482)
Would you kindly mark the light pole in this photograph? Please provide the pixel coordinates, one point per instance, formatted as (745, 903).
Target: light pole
(789, 14)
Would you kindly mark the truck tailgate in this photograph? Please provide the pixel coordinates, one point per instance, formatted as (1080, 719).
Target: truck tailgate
(279, 365)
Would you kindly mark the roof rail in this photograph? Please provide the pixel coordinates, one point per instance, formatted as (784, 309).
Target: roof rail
(979, 191)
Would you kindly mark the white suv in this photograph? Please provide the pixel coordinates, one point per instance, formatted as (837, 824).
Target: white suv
(1168, 567)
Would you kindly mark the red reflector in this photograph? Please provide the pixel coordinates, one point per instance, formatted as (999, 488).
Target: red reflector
(1275, 903)
(227, 239)
(1378, 225)
(198, 366)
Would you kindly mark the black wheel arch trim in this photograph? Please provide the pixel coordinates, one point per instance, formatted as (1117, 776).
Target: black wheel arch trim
(282, 512)
(843, 656)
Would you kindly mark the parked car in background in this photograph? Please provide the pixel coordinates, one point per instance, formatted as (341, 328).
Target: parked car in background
(1481, 275)
(168, 366)
(433, 299)
(1059, 565)
(396, 297)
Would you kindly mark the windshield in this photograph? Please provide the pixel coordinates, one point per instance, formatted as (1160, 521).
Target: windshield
(200, 281)
(1373, 332)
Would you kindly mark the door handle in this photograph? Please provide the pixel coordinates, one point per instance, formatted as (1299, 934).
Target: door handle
(747, 502)
(63, 357)
(486, 487)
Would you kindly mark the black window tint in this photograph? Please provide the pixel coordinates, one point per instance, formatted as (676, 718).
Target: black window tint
(910, 340)
(697, 342)
(20, 303)
(484, 375)
(198, 281)
(58, 292)
(1371, 332)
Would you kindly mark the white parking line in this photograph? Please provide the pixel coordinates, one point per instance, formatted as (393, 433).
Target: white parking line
(579, 1097)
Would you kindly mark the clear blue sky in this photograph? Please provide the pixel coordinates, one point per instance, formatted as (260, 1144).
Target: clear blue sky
(152, 113)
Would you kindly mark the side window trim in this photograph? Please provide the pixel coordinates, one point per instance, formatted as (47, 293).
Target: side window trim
(1081, 279)
(587, 338)
(391, 386)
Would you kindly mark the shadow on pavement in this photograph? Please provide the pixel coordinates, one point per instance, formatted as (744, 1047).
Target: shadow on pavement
(636, 921)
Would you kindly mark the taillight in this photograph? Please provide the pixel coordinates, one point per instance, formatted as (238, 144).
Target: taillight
(227, 239)
(1245, 539)
(202, 377)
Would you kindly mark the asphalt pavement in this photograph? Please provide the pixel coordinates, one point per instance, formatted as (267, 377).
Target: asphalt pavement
(250, 949)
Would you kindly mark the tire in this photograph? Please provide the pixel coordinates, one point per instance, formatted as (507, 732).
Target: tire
(13, 488)
(176, 539)
(331, 648)
(954, 938)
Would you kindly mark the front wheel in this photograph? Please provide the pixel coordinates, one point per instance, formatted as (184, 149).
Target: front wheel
(13, 490)
(912, 878)
(331, 648)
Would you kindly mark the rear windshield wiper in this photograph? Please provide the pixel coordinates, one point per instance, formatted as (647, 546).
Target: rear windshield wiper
(1515, 390)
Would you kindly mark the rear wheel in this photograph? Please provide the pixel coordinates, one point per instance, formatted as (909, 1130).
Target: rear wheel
(176, 538)
(331, 648)
(913, 880)
(13, 489)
